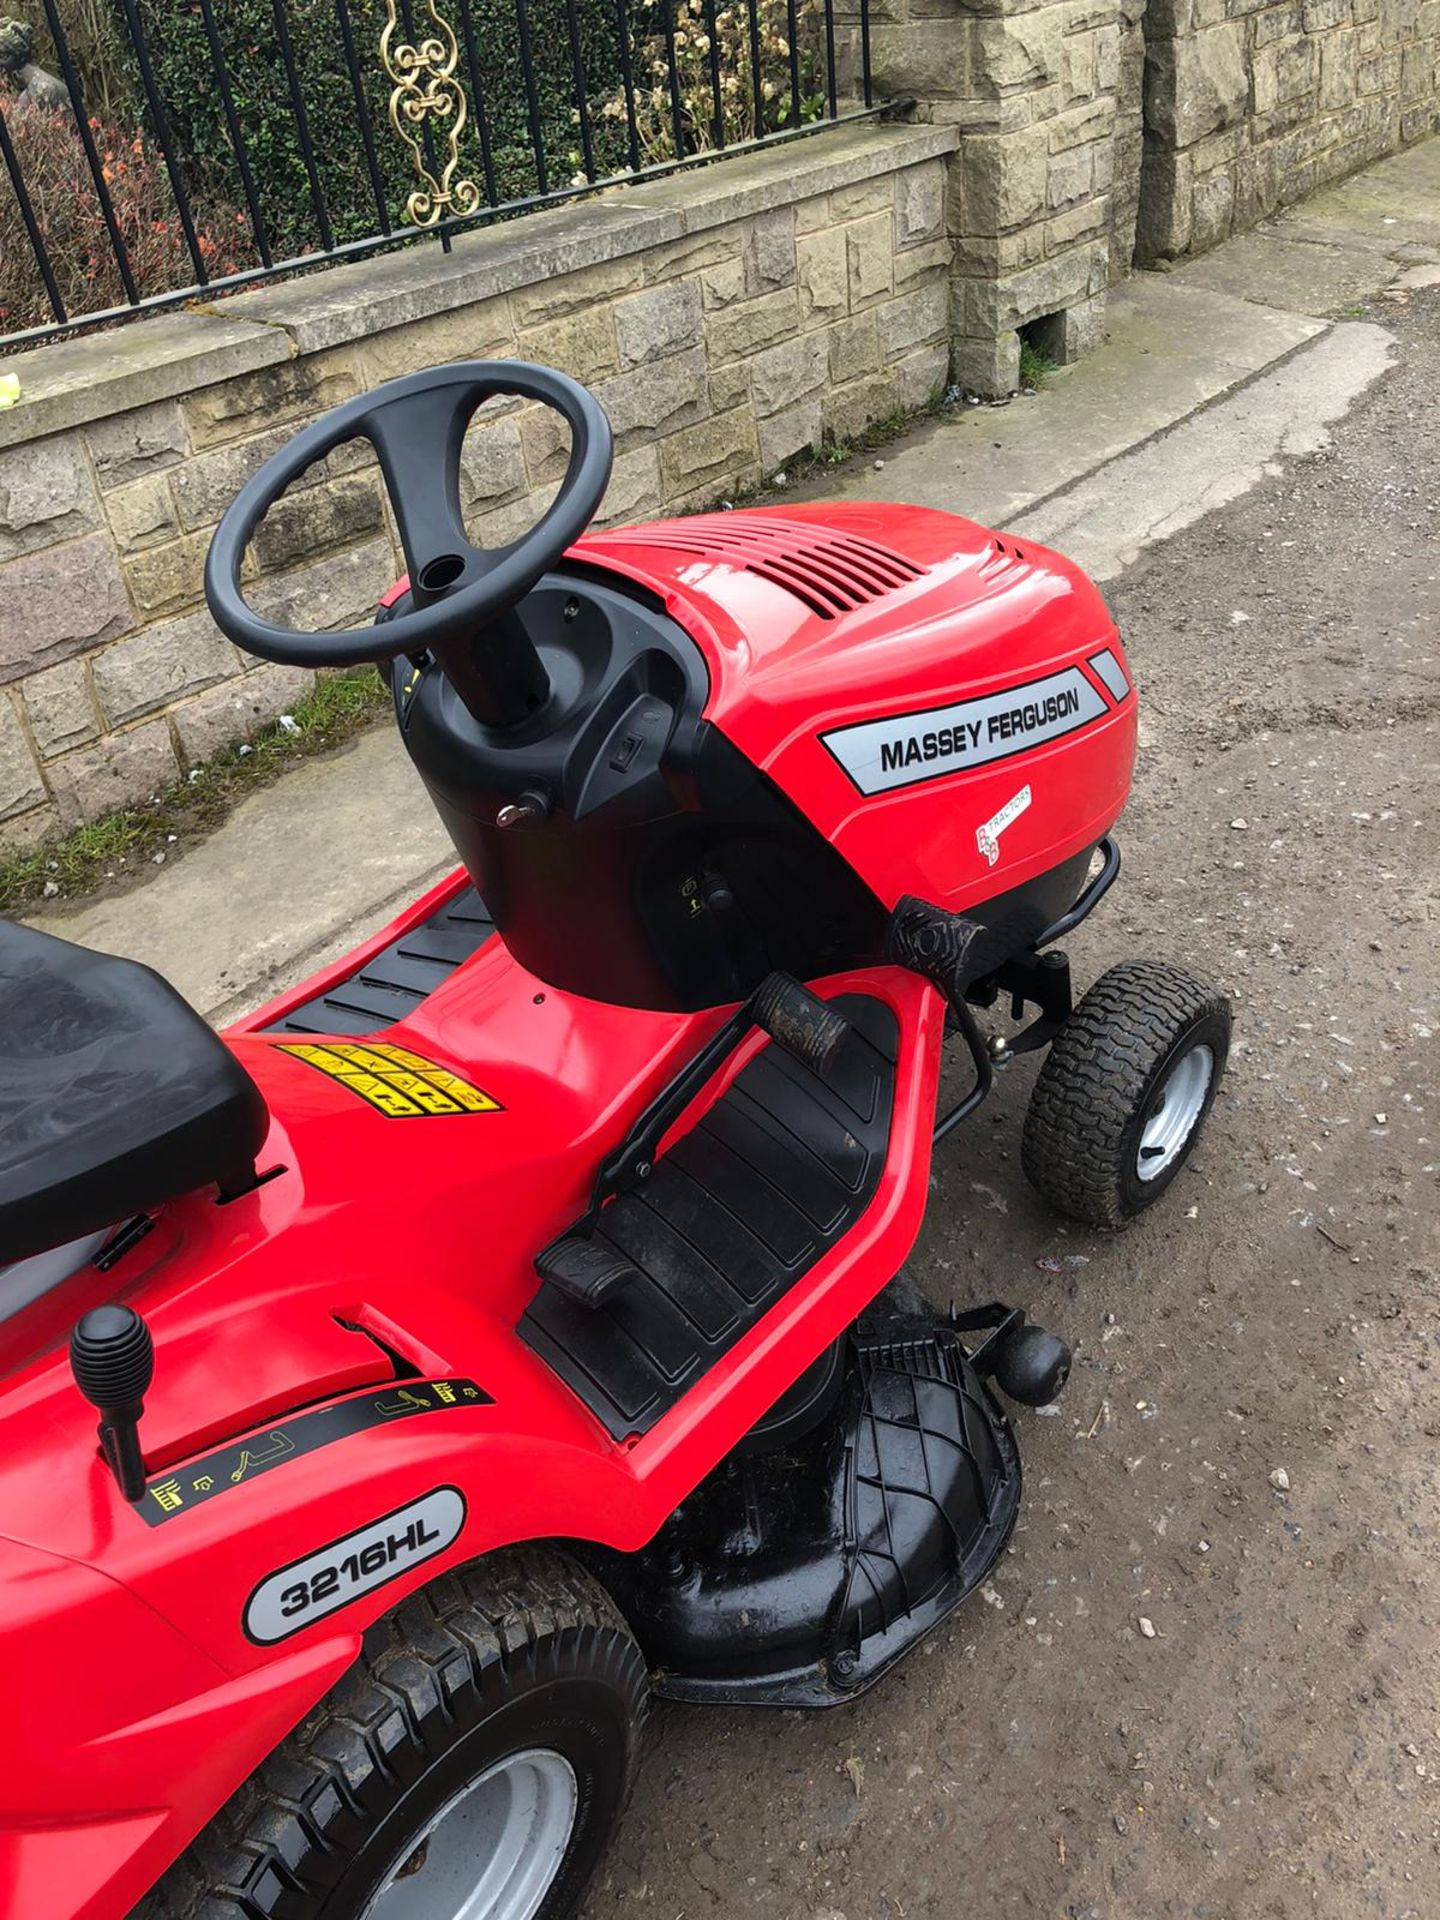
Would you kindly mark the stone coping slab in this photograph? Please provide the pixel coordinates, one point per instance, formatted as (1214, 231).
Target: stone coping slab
(71, 382)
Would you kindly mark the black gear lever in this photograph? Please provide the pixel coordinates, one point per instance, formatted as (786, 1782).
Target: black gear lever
(113, 1360)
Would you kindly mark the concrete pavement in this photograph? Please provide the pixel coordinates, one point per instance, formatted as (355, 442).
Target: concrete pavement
(1209, 375)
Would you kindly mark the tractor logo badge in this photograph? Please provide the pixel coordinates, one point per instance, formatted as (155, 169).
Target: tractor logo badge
(987, 838)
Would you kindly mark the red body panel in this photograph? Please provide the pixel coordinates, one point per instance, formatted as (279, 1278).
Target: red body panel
(142, 1702)
(985, 616)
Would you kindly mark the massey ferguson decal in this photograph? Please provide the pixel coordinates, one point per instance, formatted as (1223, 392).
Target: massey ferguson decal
(909, 747)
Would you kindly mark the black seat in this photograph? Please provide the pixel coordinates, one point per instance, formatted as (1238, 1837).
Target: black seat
(114, 1094)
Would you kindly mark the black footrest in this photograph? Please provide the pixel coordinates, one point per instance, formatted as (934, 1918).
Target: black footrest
(587, 1271)
(782, 1166)
(801, 1021)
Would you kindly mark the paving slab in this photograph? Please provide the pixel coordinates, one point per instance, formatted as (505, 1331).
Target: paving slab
(1394, 205)
(1169, 348)
(1314, 276)
(296, 874)
(1107, 520)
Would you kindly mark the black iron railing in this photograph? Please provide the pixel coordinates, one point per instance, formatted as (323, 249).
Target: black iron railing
(154, 152)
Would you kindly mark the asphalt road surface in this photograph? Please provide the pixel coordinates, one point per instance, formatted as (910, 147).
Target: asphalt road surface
(1246, 1456)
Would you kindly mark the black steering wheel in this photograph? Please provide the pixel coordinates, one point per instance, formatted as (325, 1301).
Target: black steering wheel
(417, 427)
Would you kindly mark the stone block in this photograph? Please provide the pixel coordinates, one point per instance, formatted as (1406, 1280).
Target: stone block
(1162, 228)
(634, 489)
(1319, 15)
(928, 58)
(582, 344)
(1003, 180)
(793, 430)
(313, 520)
(854, 347)
(127, 445)
(812, 214)
(1078, 76)
(164, 579)
(990, 368)
(849, 410)
(697, 455)
(922, 316)
(204, 486)
(1277, 23)
(341, 591)
(1339, 69)
(1090, 218)
(1024, 50)
(492, 460)
(151, 668)
(1195, 85)
(722, 285)
(46, 495)
(739, 331)
(990, 310)
(781, 374)
(479, 330)
(869, 247)
(919, 204)
(21, 787)
(548, 300)
(921, 377)
(729, 386)
(123, 770)
(294, 390)
(545, 440)
(237, 710)
(61, 708)
(666, 319)
(866, 197)
(142, 514)
(822, 272)
(504, 525)
(1213, 213)
(1080, 126)
(680, 259)
(1285, 73)
(59, 602)
(651, 401)
(1071, 178)
(918, 264)
(769, 254)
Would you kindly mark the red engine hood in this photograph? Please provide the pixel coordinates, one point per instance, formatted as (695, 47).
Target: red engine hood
(817, 617)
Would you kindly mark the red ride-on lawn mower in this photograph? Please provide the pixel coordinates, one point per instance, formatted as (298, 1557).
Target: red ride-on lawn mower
(493, 1330)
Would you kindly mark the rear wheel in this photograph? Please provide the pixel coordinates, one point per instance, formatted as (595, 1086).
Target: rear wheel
(1122, 1097)
(470, 1766)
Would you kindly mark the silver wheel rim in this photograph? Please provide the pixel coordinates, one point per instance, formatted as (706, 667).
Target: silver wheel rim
(492, 1851)
(1174, 1112)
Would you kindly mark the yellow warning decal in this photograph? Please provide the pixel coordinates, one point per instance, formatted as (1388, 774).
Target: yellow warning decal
(400, 1084)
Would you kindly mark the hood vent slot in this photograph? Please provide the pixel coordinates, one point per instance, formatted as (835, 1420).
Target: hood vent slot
(830, 572)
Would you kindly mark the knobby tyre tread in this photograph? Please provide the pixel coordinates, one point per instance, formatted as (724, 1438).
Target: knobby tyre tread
(477, 1638)
(1083, 1121)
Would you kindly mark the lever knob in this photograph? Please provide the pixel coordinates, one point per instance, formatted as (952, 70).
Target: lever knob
(112, 1358)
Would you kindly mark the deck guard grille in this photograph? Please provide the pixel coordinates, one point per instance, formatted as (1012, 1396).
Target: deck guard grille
(831, 573)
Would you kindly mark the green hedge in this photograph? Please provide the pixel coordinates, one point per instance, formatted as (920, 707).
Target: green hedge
(180, 51)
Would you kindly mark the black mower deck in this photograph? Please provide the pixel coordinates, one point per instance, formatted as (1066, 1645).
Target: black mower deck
(400, 976)
(779, 1169)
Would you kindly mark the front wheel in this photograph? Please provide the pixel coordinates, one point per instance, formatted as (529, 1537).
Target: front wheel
(470, 1766)
(1120, 1101)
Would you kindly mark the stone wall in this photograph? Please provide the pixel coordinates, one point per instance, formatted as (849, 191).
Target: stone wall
(1043, 193)
(727, 319)
(1252, 104)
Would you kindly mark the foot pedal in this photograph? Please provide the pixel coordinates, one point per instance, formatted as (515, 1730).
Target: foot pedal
(589, 1272)
(800, 1021)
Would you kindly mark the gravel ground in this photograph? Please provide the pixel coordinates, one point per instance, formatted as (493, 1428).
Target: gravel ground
(1246, 1455)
